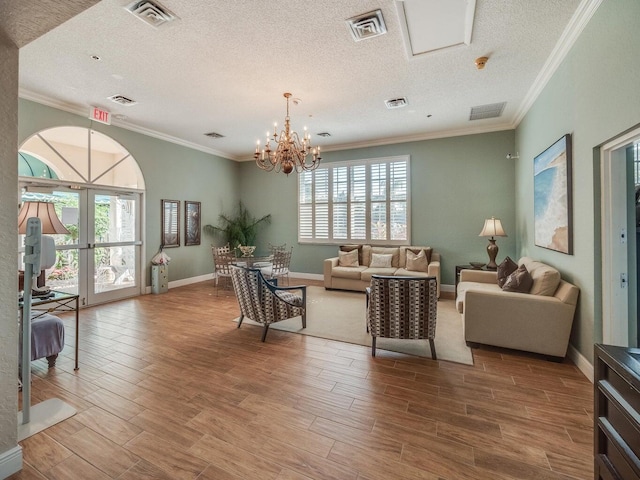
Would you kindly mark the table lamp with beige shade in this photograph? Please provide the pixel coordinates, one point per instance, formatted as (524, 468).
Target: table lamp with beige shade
(492, 228)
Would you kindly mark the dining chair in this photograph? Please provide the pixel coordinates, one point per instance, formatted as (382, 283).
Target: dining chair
(277, 248)
(222, 263)
(402, 307)
(220, 250)
(279, 267)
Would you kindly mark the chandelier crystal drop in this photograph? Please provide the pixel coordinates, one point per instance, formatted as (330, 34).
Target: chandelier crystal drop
(289, 152)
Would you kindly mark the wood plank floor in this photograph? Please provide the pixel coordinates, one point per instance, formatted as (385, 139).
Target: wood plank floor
(169, 388)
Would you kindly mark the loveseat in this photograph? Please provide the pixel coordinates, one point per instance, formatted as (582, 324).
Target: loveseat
(358, 277)
(536, 321)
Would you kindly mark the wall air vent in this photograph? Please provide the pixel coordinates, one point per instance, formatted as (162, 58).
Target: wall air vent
(367, 25)
(396, 103)
(323, 134)
(213, 135)
(492, 110)
(151, 13)
(122, 100)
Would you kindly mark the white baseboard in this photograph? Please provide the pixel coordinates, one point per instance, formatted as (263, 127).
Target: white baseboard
(581, 362)
(308, 276)
(10, 461)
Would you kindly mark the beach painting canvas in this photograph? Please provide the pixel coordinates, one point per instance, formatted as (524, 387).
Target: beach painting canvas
(552, 197)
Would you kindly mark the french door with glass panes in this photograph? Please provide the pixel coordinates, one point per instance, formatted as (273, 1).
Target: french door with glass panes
(113, 245)
(99, 259)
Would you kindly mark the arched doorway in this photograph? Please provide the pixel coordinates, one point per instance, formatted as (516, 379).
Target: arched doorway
(97, 188)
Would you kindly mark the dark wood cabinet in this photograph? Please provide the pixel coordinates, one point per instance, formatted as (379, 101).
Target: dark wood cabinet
(617, 413)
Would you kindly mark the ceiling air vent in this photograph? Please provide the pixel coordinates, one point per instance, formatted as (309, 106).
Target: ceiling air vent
(396, 102)
(367, 25)
(152, 13)
(122, 100)
(492, 110)
(213, 135)
(323, 134)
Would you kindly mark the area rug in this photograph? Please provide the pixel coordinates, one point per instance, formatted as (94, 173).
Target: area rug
(338, 315)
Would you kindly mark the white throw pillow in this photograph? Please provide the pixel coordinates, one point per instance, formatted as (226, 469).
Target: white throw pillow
(417, 263)
(348, 259)
(381, 260)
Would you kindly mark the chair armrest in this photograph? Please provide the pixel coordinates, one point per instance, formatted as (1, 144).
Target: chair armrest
(480, 276)
(302, 288)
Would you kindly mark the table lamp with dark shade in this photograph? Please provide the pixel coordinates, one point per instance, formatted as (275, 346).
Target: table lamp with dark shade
(492, 228)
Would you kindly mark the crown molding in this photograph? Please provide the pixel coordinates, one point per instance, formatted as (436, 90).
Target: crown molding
(576, 25)
(411, 138)
(83, 111)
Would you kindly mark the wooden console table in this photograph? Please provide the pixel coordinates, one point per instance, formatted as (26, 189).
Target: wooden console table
(58, 302)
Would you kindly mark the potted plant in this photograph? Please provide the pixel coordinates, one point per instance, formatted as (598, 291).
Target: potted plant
(239, 229)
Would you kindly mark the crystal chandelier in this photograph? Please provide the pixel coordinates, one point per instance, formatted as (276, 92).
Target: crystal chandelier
(289, 152)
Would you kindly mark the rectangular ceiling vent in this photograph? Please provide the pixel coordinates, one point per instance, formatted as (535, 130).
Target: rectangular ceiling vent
(396, 102)
(492, 110)
(122, 100)
(367, 25)
(151, 13)
(323, 134)
(213, 135)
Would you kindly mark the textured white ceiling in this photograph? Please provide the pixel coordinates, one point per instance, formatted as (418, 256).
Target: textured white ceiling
(224, 66)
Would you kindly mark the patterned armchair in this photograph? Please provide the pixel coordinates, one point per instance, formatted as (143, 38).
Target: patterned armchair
(402, 307)
(262, 301)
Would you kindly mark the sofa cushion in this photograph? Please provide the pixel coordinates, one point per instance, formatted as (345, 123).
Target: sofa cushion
(545, 278)
(366, 275)
(349, 248)
(348, 259)
(519, 281)
(381, 260)
(352, 273)
(506, 268)
(417, 262)
(403, 272)
(427, 252)
(394, 251)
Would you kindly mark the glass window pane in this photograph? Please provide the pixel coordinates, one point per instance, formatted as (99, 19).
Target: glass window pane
(378, 221)
(114, 267)
(322, 221)
(358, 221)
(340, 184)
(340, 221)
(399, 221)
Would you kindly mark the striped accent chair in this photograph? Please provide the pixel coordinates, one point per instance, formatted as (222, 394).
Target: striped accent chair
(402, 307)
(262, 301)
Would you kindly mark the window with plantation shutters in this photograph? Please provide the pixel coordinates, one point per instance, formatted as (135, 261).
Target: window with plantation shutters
(365, 201)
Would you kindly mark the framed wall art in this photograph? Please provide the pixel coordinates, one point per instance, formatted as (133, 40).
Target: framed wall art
(191, 223)
(552, 197)
(170, 212)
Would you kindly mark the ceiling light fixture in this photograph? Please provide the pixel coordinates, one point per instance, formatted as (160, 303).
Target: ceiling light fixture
(289, 152)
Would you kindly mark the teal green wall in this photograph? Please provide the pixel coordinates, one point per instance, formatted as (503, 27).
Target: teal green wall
(456, 183)
(594, 95)
(170, 171)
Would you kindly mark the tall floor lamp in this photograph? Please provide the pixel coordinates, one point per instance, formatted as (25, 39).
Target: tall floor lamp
(34, 219)
(492, 228)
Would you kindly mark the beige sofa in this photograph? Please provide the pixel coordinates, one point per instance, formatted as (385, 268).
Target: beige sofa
(539, 321)
(359, 278)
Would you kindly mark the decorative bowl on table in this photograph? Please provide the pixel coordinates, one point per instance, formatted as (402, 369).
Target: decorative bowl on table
(477, 265)
(246, 250)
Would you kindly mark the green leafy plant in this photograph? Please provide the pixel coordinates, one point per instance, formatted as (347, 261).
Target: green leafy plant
(239, 229)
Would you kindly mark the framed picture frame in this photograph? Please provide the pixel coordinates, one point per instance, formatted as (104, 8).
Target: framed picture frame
(170, 211)
(191, 223)
(552, 197)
